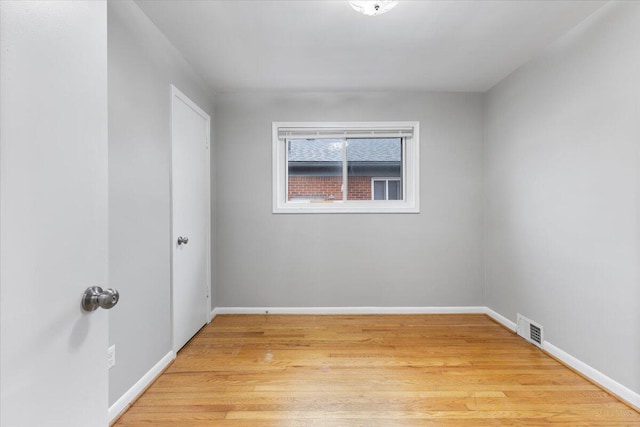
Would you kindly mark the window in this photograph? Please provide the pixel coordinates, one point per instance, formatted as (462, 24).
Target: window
(386, 189)
(345, 167)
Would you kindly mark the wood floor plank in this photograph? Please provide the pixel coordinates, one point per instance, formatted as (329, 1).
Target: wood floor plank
(390, 370)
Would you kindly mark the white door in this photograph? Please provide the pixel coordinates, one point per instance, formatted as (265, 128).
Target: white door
(53, 209)
(190, 218)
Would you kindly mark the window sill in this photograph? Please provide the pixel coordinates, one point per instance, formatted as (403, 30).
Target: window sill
(348, 207)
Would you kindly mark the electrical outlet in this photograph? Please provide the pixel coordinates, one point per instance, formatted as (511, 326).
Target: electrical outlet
(111, 356)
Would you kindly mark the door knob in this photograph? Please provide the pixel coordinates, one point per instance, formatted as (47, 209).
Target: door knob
(183, 240)
(95, 297)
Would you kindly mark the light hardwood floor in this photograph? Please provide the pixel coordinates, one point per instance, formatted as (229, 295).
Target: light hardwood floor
(391, 370)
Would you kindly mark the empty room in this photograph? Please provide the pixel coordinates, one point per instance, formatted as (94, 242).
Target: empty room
(319, 213)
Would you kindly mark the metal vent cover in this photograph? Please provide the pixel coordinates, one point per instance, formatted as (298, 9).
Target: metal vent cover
(530, 330)
(535, 333)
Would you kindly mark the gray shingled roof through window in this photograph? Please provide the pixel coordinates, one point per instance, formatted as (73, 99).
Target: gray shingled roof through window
(358, 150)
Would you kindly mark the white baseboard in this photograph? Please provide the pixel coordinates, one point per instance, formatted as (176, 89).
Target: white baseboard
(500, 319)
(594, 375)
(130, 396)
(609, 384)
(348, 310)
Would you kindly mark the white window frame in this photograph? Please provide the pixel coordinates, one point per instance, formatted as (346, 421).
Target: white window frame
(410, 202)
(386, 180)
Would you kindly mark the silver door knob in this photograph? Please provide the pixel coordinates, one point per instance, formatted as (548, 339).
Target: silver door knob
(95, 297)
(183, 240)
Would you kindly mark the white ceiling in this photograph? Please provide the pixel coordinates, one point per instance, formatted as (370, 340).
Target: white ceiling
(325, 45)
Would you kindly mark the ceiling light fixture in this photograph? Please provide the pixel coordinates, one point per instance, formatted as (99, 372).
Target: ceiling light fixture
(373, 7)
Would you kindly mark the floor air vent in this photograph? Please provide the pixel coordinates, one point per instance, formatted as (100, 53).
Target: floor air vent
(529, 330)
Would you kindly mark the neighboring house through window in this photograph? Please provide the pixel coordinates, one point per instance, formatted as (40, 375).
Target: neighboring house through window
(386, 189)
(345, 167)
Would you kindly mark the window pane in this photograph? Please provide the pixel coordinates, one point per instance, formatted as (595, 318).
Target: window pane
(394, 190)
(369, 158)
(314, 170)
(379, 190)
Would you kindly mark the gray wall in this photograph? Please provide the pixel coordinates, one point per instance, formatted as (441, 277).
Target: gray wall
(434, 258)
(562, 193)
(142, 64)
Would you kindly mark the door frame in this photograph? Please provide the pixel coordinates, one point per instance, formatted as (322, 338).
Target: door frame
(176, 94)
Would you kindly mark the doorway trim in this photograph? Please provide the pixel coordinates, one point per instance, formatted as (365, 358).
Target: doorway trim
(177, 94)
